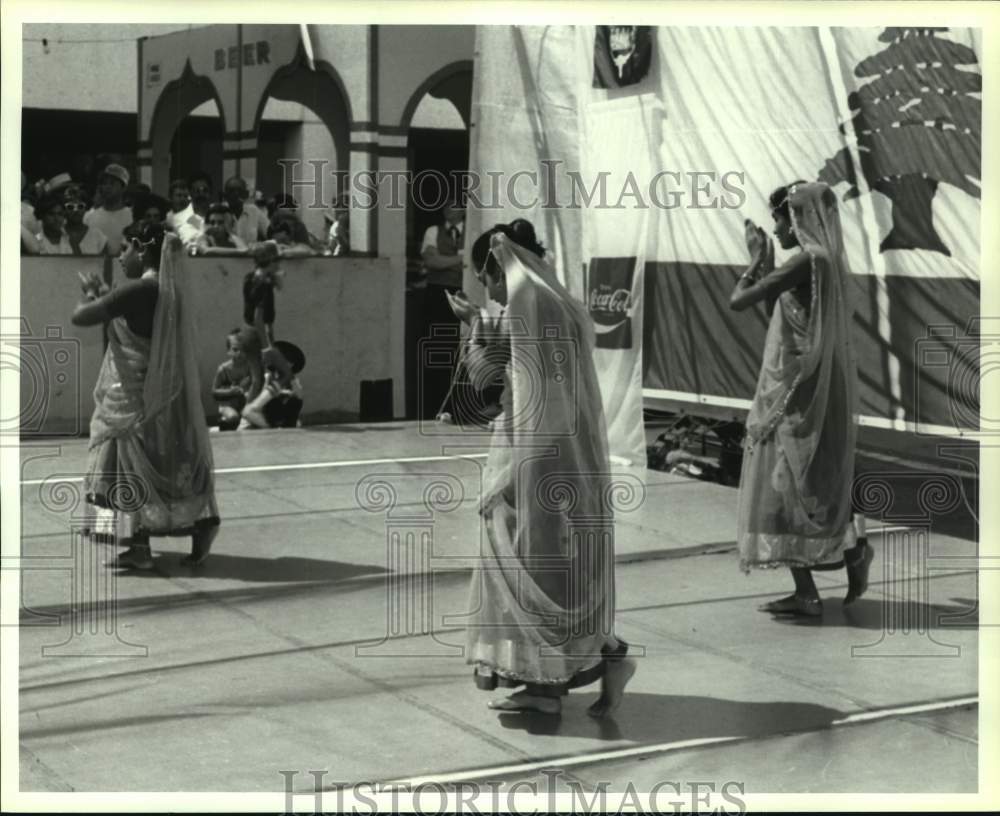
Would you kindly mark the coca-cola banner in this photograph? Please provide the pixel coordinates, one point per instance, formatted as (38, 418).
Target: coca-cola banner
(618, 233)
(656, 165)
(609, 299)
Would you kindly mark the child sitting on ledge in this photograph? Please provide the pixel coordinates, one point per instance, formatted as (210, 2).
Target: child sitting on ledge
(236, 378)
(279, 403)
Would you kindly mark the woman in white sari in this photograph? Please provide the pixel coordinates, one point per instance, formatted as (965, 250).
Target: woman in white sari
(798, 466)
(150, 460)
(543, 595)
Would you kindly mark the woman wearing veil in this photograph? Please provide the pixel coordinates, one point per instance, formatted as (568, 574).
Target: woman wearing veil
(150, 461)
(795, 490)
(543, 594)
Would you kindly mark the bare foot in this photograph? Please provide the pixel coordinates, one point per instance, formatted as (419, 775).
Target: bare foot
(522, 701)
(616, 677)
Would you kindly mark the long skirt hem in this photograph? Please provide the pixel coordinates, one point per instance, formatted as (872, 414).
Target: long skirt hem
(488, 676)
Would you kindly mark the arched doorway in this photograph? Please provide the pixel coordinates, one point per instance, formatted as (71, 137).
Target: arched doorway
(197, 144)
(437, 125)
(303, 114)
(437, 122)
(179, 99)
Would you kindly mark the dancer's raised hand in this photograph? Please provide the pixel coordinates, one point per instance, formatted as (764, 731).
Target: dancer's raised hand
(756, 239)
(464, 309)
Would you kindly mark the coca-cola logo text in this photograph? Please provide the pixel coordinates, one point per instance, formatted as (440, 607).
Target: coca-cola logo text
(617, 302)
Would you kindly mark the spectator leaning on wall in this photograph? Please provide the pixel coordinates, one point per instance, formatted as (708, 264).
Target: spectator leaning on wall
(249, 223)
(218, 237)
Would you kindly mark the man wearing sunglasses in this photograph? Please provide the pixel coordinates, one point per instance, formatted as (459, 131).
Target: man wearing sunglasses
(83, 238)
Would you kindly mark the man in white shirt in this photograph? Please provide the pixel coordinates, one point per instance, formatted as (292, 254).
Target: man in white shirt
(112, 217)
(201, 199)
(249, 223)
(180, 204)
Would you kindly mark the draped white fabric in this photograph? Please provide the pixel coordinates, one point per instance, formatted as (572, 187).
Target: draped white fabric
(890, 118)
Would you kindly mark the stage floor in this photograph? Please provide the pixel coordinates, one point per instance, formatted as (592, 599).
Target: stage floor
(307, 642)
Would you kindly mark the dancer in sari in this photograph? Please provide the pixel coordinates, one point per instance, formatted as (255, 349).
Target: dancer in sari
(150, 460)
(795, 490)
(543, 595)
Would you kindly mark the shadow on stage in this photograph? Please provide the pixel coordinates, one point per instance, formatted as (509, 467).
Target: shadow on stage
(656, 718)
(881, 614)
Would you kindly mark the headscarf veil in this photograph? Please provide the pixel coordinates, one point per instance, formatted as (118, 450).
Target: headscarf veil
(806, 394)
(556, 399)
(177, 443)
(552, 579)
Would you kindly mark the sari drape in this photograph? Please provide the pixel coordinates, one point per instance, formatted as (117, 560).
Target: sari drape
(543, 593)
(795, 491)
(150, 460)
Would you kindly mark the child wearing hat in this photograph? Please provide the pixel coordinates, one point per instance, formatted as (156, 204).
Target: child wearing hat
(279, 403)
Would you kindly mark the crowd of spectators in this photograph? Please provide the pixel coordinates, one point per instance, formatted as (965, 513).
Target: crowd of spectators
(63, 217)
(257, 386)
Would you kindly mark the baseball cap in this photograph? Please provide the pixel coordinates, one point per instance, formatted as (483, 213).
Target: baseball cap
(58, 182)
(118, 172)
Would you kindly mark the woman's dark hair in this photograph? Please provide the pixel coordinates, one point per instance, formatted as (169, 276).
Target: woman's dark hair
(287, 221)
(46, 204)
(520, 231)
(201, 175)
(178, 184)
(150, 234)
(145, 201)
(219, 207)
(779, 198)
